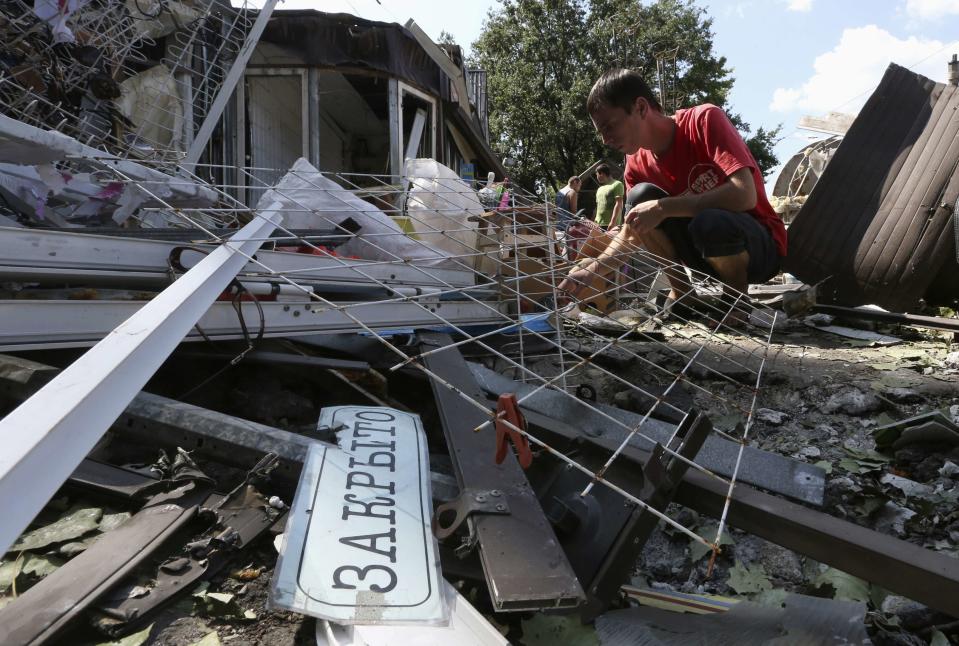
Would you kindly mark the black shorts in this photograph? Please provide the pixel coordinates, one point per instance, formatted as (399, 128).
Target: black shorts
(715, 232)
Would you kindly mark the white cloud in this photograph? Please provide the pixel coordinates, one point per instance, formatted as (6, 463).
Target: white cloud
(844, 77)
(784, 99)
(931, 9)
(800, 5)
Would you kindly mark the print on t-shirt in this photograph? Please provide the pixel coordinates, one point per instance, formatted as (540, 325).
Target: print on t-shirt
(703, 177)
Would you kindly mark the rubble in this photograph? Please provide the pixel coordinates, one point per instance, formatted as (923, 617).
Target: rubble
(852, 402)
(483, 452)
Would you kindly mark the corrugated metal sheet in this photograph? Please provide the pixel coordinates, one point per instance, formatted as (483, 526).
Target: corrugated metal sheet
(878, 224)
(480, 98)
(275, 115)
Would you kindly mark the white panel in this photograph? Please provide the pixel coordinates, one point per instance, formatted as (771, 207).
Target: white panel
(35, 254)
(276, 125)
(29, 325)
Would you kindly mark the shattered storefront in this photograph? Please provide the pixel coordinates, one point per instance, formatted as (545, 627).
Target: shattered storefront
(321, 390)
(355, 96)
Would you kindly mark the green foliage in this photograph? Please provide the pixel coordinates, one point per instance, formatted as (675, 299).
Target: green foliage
(844, 586)
(744, 579)
(446, 38)
(761, 145)
(708, 531)
(542, 57)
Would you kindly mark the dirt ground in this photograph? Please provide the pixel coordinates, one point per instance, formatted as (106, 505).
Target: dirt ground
(821, 399)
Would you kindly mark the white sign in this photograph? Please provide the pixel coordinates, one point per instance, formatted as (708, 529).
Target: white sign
(359, 548)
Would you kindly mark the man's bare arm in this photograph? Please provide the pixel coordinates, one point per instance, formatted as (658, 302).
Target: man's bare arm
(617, 211)
(738, 194)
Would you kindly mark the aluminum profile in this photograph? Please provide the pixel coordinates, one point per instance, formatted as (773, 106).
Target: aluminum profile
(877, 228)
(48, 435)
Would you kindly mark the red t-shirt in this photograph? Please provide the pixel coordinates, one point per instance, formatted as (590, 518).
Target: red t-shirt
(706, 150)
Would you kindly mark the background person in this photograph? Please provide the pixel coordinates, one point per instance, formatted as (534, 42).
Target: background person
(566, 200)
(609, 198)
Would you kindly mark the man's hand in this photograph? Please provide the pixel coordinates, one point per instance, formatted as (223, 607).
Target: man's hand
(645, 216)
(577, 281)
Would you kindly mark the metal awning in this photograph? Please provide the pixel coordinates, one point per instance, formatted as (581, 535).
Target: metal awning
(878, 226)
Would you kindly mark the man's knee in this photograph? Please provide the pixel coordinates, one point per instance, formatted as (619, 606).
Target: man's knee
(643, 192)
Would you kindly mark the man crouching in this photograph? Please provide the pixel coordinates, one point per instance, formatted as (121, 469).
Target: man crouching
(695, 195)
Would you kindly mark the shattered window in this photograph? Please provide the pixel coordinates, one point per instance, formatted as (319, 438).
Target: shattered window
(354, 122)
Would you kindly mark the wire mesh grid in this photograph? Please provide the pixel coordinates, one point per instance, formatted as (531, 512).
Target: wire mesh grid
(507, 264)
(710, 342)
(133, 78)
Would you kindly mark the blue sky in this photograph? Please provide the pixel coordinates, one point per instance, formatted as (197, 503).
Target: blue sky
(790, 57)
(796, 57)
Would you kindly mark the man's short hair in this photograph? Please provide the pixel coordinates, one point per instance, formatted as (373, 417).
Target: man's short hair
(574, 178)
(619, 88)
(603, 169)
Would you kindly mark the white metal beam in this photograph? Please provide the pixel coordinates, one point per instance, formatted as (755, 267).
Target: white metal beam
(47, 436)
(33, 254)
(454, 73)
(32, 325)
(416, 134)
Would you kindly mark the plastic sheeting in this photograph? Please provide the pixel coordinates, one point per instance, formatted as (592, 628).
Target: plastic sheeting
(158, 18)
(439, 205)
(311, 201)
(56, 13)
(150, 100)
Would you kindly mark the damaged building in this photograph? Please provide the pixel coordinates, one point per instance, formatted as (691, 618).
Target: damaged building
(275, 368)
(345, 93)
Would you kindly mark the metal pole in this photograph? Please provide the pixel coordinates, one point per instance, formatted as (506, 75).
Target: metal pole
(229, 84)
(47, 436)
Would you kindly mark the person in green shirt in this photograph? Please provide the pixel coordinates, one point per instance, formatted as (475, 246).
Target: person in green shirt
(609, 198)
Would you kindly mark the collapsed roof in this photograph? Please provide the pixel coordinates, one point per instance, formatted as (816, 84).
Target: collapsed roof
(879, 226)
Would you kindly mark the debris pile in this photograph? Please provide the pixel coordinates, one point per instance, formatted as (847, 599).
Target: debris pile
(122, 77)
(360, 411)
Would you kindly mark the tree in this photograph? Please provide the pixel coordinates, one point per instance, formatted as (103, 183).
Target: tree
(542, 57)
(761, 144)
(446, 38)
(532, 53)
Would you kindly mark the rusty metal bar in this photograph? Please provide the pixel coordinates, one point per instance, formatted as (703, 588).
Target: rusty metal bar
(926, 576)
(524, 564)
(931, 322)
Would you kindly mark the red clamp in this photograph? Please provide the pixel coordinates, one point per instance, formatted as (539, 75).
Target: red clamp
(508, 410)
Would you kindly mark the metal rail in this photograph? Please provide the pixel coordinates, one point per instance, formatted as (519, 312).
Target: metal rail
(55, 429)
(524, 564)
(931, 322)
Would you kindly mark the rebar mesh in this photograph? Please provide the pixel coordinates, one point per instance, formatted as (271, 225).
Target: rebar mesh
(132, 78)
(711, 342)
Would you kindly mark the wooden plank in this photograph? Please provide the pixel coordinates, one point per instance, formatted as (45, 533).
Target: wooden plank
(46, 609)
